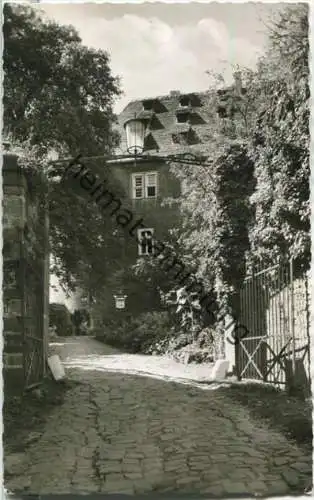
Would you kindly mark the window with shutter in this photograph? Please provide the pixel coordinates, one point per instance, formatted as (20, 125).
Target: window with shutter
(144, 185)
(151, 185)
(138, 186)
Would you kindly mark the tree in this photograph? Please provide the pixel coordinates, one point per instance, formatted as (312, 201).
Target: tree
(58, 97)
(280, 143)
(253, 201)
(58, 94)
(187, 307)
(215, 205)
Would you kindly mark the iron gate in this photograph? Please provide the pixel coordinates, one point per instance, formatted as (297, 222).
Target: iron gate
(274, 307)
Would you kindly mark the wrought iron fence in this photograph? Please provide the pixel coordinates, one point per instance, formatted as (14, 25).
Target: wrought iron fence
(274, 307)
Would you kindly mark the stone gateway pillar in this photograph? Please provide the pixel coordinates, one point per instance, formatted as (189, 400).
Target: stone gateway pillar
(25, 290)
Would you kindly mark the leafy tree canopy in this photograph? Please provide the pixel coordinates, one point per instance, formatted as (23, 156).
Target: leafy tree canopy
(251, 202)
(57, 92)
(58, 97)
(280, 143)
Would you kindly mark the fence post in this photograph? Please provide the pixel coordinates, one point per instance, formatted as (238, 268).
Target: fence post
(292, 319)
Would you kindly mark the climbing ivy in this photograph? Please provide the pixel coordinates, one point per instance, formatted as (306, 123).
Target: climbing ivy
(280, 145)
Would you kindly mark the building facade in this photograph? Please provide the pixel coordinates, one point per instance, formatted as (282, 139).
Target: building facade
(174, 124)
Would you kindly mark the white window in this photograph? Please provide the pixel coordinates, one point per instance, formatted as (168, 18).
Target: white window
(184, 186)
(144, 185)
(138, 186)
(145, 241)
(151, 185)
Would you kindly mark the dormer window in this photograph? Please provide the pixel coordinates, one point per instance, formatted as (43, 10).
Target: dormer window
(183, 117)
(148, 105)
(185, 101)
(188, 137)
(190, 100)
(154, 105)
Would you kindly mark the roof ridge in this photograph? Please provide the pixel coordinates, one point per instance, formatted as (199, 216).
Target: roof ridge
(166, 96)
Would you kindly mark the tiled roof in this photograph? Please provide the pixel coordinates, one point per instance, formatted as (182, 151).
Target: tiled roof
(162, 122)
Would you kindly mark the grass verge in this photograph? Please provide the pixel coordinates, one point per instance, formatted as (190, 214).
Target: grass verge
(289, 414)
(24, 416)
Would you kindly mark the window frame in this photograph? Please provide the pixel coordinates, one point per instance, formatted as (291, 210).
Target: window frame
(186, 100)
(186, 115)
(134, 187)
(144, 185)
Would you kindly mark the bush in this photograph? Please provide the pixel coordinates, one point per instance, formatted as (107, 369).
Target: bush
(60, 318)
(80, 320)
(137, 334)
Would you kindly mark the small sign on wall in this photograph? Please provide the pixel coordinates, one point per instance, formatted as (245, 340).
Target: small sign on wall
(120, 301)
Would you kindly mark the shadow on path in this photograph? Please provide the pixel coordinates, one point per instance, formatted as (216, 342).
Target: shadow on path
(123, 433)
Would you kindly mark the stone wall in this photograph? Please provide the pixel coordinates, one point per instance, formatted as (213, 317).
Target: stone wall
(25, 281)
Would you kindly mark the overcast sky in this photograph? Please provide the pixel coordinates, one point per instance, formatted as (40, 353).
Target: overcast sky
(158, 47)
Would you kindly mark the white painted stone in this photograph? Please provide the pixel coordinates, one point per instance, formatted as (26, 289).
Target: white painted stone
(229, 341)
(220, 369)
(56, 367)
(229, 350)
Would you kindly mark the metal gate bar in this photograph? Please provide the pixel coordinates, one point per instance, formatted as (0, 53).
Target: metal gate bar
(268, 311)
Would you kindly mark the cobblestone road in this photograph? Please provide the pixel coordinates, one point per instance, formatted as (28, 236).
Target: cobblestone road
(132, 434)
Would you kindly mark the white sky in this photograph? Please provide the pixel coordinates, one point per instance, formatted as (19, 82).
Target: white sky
(157, 47)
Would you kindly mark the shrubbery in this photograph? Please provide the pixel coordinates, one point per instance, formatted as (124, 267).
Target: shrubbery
(80, 319)
(156, 333)
(137, 334)
(60, 318)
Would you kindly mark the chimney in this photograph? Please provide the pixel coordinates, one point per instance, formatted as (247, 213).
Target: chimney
(174, 93)
(237, 81)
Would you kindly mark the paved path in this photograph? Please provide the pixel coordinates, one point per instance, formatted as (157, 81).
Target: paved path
(125, 433)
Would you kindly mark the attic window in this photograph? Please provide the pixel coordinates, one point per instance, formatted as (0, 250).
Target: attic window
(190, 100)
(183, 117)
(185, 101)
(154, 105)
(185, 138)
(148, 105)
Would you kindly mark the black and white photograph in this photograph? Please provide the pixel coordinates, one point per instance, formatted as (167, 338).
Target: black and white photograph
(156, 249)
